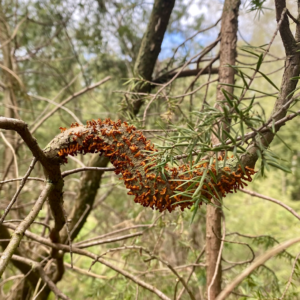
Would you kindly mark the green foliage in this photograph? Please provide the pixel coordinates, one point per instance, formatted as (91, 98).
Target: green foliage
(257, 6)
(92, 45)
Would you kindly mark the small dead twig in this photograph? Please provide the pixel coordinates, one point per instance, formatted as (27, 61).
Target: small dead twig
(293, 212)
(21, 228)
(291, 277)
(15, 197)
(67, 173)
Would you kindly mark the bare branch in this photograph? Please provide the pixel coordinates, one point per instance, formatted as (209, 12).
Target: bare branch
(14, 199)
(192, 271)
(18, 234)
(22, 129)
(287, 37)
(67, 173)
(217, 265)
(49, 114)
(93, 256)
(294, 213)
(120, 238)
(43, 275)
(20, 179)
(291, 277)
(185, 73)
(258, 262)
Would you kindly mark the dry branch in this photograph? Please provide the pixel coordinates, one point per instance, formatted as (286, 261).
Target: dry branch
(294, 213)
(18, 234)
(14, 199)
(93, 256)
(258, 262)
(42, 274)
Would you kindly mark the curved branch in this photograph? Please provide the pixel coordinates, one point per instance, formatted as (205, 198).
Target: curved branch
(42, 274)
(258, 262)
(151, 44)
(287, 37)
(287, 89)
(18, 234)
(22, 129)
(93, 256)
(102, 169)
(294, 213)
(185, 73)
(128, 150)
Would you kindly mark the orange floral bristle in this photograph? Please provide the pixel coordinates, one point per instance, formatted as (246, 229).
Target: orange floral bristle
(128, 150)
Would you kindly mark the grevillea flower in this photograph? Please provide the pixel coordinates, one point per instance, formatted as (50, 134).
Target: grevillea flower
(129, 150)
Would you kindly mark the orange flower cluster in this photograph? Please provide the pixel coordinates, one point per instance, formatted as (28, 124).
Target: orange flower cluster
(226, 181)
(128, 150)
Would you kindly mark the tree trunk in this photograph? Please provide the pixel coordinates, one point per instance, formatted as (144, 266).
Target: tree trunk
(9, 98)
(151, 45)
(226, 75)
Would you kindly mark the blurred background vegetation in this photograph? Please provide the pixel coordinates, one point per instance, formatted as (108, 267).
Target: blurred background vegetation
(62, 47)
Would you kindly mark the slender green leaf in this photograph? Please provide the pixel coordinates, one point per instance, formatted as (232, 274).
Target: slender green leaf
(259, 62)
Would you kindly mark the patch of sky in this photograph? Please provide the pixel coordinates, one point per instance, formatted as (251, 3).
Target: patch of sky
(171, 41)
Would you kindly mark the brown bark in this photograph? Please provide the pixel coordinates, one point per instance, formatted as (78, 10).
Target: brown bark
(53, 174)
(10, 86)
(91, 180)
(226, 75)
(148, 53)
(89, 185)
(291, 70)
(31, 278)
(151, 45)
(185, 73)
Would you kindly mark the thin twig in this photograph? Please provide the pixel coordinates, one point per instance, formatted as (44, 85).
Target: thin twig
(264, 55)
(294, 213)
(68, 233)
(120, 238)
(195, 90)
(258, 262)
(14, 33)
(292, 17)
(43, 275)
(80, 219)
(48, 115)
(112, 233)
(219, 258)
(21, 228)
(165, 85)
(58, 105)
(191, 37)
(13, 153)
(15, 197)
(85, 272)
(291, 277)
(93, 256)
(51, 284)
(34, 222)
(152, 256)
(192, 271)
(21, 178)
(67, 173)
